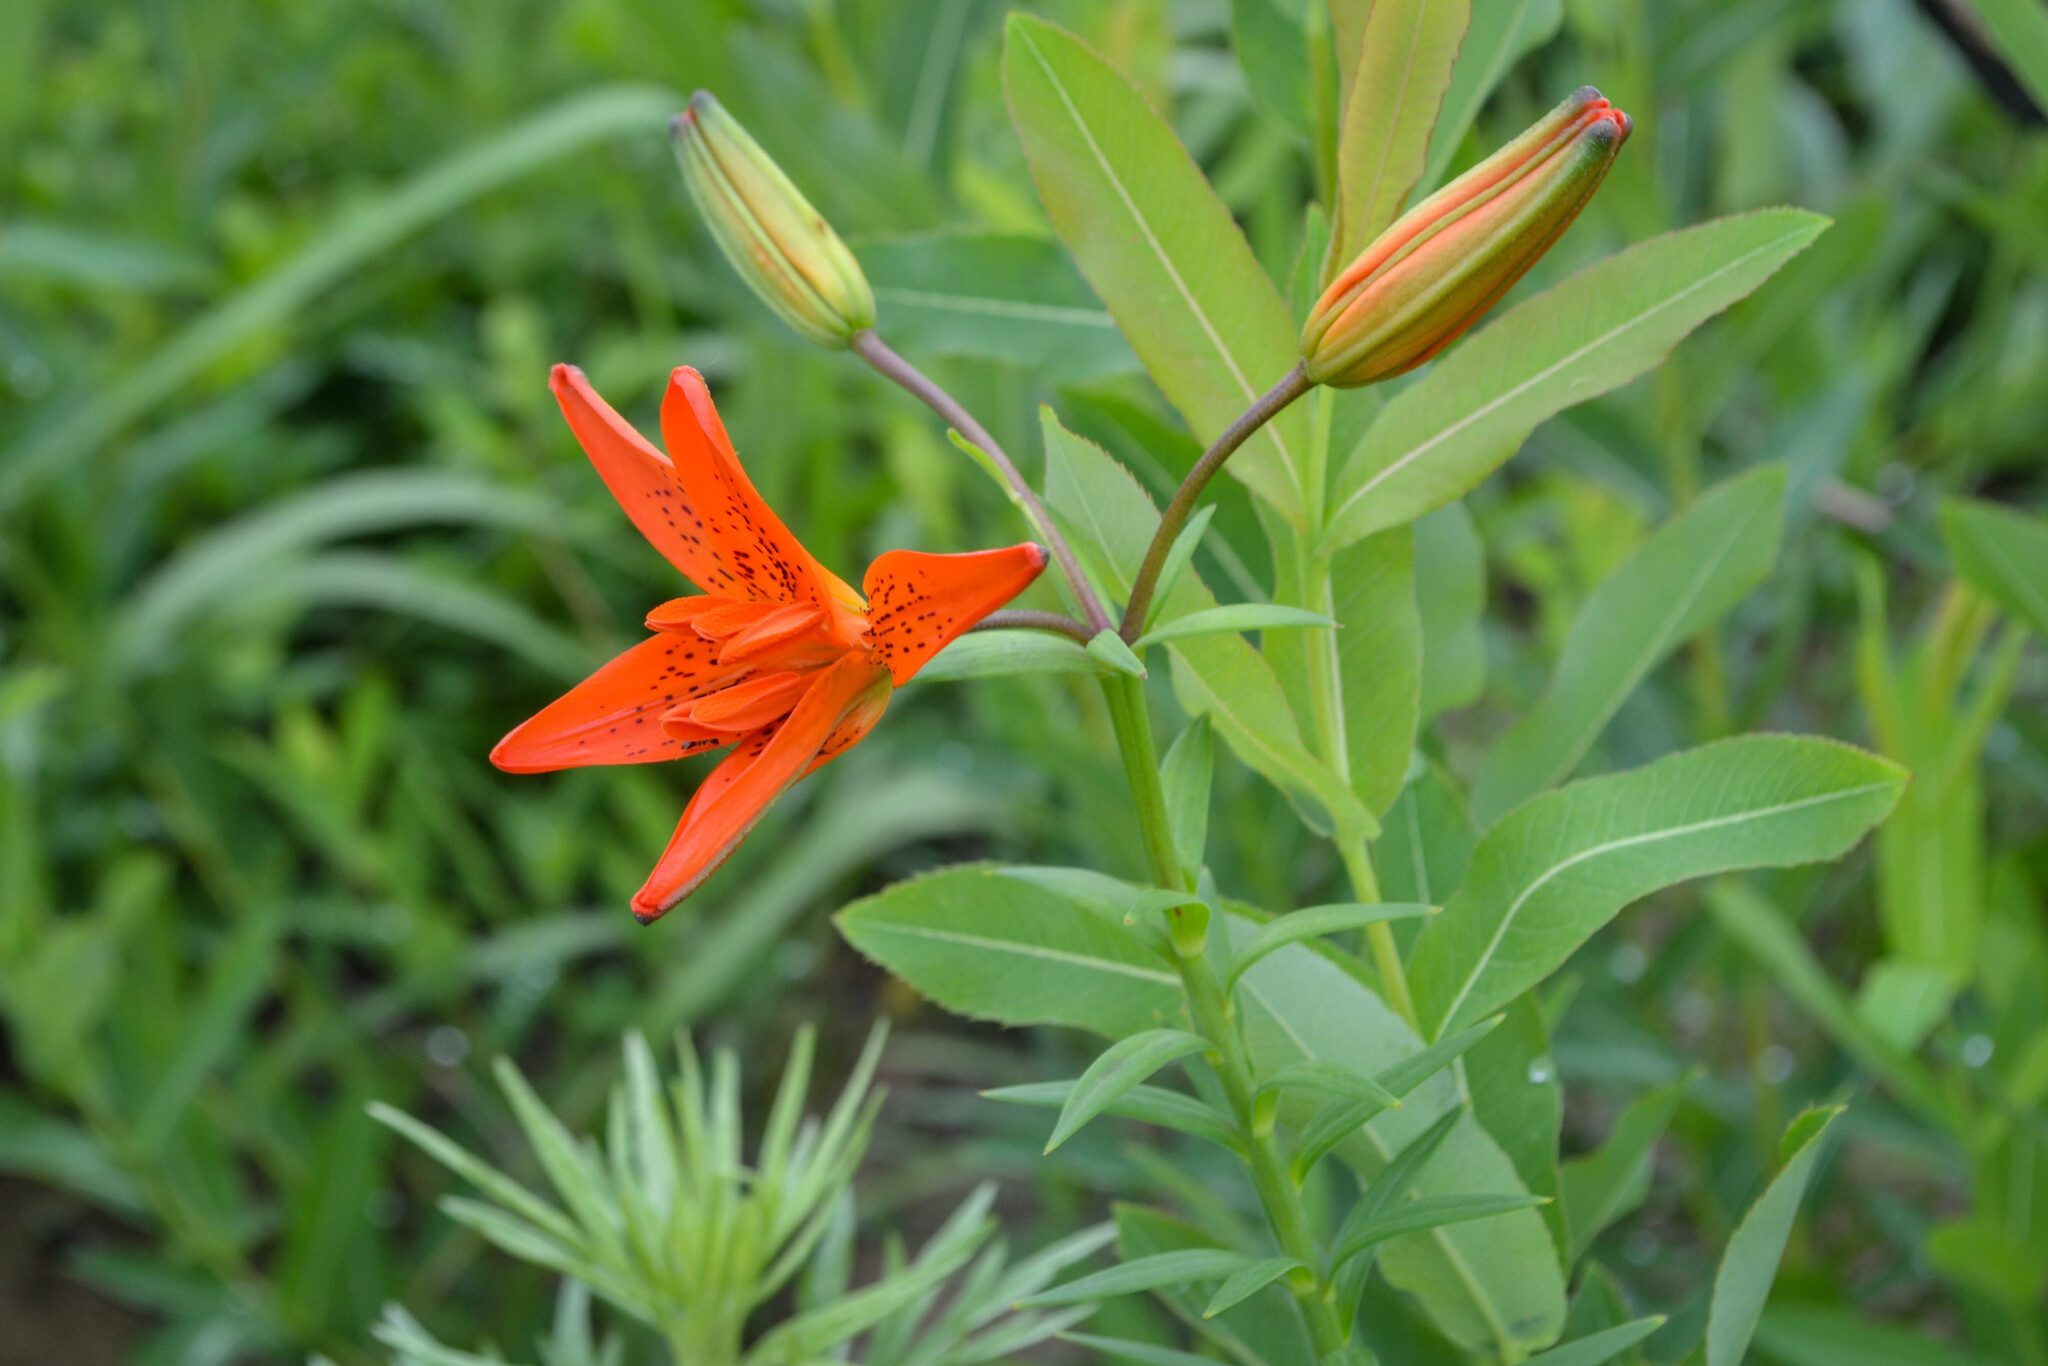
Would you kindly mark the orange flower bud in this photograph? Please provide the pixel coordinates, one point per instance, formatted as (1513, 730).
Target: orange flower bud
(779, 244)
(1446, 261)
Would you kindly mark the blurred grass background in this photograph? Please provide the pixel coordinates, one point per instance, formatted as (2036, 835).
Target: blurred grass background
(290, 533)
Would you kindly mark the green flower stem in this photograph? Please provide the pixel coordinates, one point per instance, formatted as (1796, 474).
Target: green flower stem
(1215, 1018)
(876, 352)
(1269, 405)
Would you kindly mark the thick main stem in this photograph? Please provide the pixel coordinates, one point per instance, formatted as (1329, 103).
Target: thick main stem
(1291, 387)
(1215, 1018)
(876, 352)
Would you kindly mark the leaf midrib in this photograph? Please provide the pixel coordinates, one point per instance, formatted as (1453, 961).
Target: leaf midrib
(1486, 409)
(1027, 950)
(1152, 240)
(1563, 866)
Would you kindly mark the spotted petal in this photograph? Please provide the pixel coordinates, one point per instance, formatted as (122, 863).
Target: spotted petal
(760, 768)
(614, 716)
(918, 603)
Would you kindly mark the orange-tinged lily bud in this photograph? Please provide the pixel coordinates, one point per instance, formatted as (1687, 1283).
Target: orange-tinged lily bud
(1446, 261)
(780, 245)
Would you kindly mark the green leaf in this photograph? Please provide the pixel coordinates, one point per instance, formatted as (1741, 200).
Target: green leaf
(991, 654)
(1595, 1348)
(1178, 557)
(1403, 68)
(1110, 519)
(1434, 1212)
(2003, 554)
(1380, 659)
(1121, 1066)
(1148, 1104)
(995, 297)
(1593, 332)
(1501, 33)
(1751, 1262)
(1272, 48)
(1161, 250)
(1249, 1281)
(1427, 844)
(1563, 864)
(1146, 1273)
(1313, 922)
(1511, 1079)
(1675, 584)
(1340, 1121)
(1264, 1330)
(1185, 774)
(1610, 1182)
(996, 948)
(1108, 648)
(1450, 594)
(1496, 1288)
(1243, 616)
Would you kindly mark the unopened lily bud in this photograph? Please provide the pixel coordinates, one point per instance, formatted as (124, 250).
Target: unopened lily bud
(780, 245)
(1446, 261)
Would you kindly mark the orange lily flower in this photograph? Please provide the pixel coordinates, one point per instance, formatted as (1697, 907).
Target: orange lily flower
(777, 657)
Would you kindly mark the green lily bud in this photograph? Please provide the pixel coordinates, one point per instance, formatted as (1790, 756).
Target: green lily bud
(1442, 264)
(780, 245)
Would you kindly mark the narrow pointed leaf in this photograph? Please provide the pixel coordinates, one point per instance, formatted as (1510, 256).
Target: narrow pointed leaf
(1339, 1121)
(1249, 1281)
(1403, 68)
(1144, 1353)
(1146, 1273)
(1245, 616)
(1149, 1104)
(1595, 1348)
(1108, 647)
(1178, 556)
(1161, 250)
(1331, 1078)
(991, 654)
(1751, 1262)
(1186, 774)
(1122, 1066)
(1313, 922)
(1677, 583)
(1611, 1181)
(1431, 1212)
(1593, 332)
(1563, 864)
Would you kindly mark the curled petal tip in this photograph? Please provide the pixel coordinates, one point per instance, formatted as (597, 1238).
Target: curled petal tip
(677, 124)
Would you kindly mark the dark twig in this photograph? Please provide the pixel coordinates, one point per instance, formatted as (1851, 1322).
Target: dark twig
(1293, 386)
(1020, 619)
(877, 353)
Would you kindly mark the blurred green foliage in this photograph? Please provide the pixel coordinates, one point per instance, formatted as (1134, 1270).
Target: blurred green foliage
(290, 533)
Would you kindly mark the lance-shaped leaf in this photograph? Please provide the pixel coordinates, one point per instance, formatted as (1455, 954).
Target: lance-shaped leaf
(1403, 67)
(1249, 1281)
(1434, 1212)
(995, 948)
(1148, 1104)
(1146, 1273)
(1340, 1121)
(1237, 617)
(2003, 554)
(1500, 34)
(1160, 248)
(1331, 1079)
(1185, 776)
(1595, 1348)
(1312, 923)
(1121, 1066)
(1751, 1262)
(1673, 586)
(1563, 864)
(991, 654)
(1593, 332)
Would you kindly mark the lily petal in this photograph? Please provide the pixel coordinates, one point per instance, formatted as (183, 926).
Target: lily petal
(614, 716)
(761, 768)
(778, 628)
(749, 552)
(919, 603)
(734, 711)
